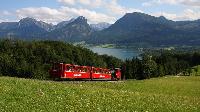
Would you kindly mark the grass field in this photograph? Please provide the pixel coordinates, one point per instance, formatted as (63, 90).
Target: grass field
(175, 94)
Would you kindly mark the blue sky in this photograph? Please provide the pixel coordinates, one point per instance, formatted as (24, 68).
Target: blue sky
(54, 11)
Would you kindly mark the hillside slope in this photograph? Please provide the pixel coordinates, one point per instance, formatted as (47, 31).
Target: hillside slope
(75, 31)
(140, 28)
(180, 94)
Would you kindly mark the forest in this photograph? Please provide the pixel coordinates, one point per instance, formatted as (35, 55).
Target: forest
(161, 63)
(33, 59)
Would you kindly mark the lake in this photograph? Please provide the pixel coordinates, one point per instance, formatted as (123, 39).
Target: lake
(119, 53)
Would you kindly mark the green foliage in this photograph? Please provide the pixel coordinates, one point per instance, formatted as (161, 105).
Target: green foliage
(33, 59)
(161, 64)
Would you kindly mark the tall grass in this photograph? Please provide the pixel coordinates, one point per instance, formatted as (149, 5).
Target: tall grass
(162, 94)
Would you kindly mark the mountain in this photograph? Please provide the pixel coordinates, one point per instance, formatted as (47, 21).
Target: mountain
(132, 29)
(26, 28)
(8, 25)
(6, 28)
(144, 29)
(29, 29)
(30, 22)
(76, 30)
(99, 26)
(63, 23)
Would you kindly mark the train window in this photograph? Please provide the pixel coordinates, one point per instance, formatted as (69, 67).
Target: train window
(80, 69)
(69, 68)
(100, 71)
(77, 69)
(94, 71)
(103, 71)
(84, 69)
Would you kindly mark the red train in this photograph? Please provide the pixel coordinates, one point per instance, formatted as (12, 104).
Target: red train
(70, 71)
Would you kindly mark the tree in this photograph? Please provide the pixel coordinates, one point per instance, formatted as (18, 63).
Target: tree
(189, 71)
(196, 70)
(149, 67)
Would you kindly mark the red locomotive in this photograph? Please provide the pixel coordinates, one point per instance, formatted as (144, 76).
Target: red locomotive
(70, 71)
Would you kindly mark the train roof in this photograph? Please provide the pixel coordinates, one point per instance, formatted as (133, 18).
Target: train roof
(86, 66)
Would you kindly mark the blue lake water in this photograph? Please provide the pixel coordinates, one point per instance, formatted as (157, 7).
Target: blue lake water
(119, 53)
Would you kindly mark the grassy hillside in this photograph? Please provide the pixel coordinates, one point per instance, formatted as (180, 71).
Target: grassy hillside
(162, 94)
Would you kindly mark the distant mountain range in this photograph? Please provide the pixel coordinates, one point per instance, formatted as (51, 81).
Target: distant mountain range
(133, 28)
(100, 26)
(143, 29)
(30, 29)
(26, 27)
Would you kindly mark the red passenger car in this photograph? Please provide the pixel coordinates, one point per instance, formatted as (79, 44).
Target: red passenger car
(70, 71)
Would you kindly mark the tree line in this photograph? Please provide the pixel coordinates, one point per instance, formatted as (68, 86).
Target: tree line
(161, 63)
(33, 59)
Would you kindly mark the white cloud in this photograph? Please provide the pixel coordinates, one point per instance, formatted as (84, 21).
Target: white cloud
(73, 8)
(172, 2)
(67, 2)
(195, 3)
(112, 6)
(63, 13)
(167, 15)
(6, 16)
(187, 14)
(42, 13)
(92, 16)
(98, 3)
(7, 13)
(112, 10)
(4, 13)
(117, 9)
(85, 2)
(91, 3)
(159, 2)
(192, 11)
(1, 20)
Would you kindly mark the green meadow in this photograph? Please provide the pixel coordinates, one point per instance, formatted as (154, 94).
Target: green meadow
(167, 94)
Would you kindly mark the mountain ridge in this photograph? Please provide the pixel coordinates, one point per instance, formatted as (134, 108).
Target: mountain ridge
(132, 28)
